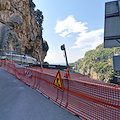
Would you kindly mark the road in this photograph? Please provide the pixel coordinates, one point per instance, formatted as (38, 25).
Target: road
(21, 102)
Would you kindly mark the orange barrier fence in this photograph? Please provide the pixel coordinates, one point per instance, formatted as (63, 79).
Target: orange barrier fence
(88, 98)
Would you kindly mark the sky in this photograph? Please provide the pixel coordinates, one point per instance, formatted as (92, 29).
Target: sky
(79, 24)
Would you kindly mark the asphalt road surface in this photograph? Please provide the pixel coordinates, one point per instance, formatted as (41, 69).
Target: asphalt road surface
(21, 102)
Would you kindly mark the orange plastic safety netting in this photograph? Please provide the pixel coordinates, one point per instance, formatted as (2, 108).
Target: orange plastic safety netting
(86, 97)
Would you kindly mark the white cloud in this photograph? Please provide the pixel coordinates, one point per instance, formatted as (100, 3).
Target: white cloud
(65, 33)
(70, 25)
(85, 39)
(89, 40)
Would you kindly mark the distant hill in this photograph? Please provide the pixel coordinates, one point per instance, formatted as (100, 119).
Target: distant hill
(97, 63)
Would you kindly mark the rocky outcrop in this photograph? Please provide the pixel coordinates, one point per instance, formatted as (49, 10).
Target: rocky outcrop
(19, 28)
(4, 4)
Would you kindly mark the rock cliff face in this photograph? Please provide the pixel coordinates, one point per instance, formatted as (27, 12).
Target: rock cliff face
(19, 30)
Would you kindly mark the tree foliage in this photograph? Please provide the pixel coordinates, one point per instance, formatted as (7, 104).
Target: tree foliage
(39, 18)
(32, 4)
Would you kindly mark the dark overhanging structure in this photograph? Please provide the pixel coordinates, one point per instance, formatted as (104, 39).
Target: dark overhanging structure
(112, 24)
(112, 33)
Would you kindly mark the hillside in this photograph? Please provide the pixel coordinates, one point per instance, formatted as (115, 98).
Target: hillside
(98, 63)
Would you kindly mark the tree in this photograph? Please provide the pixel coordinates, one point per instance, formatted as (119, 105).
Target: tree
(39, 18)
(32, 4)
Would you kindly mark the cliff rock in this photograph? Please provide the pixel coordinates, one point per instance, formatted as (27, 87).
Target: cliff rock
(19, 30)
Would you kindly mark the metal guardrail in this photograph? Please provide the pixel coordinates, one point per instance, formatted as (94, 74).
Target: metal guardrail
(16, 57)
(49, 66)
(10, 55)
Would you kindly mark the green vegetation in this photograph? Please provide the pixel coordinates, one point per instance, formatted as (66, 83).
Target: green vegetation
(98, 61)
(39, 20)
(32, 4)
(39, 17)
